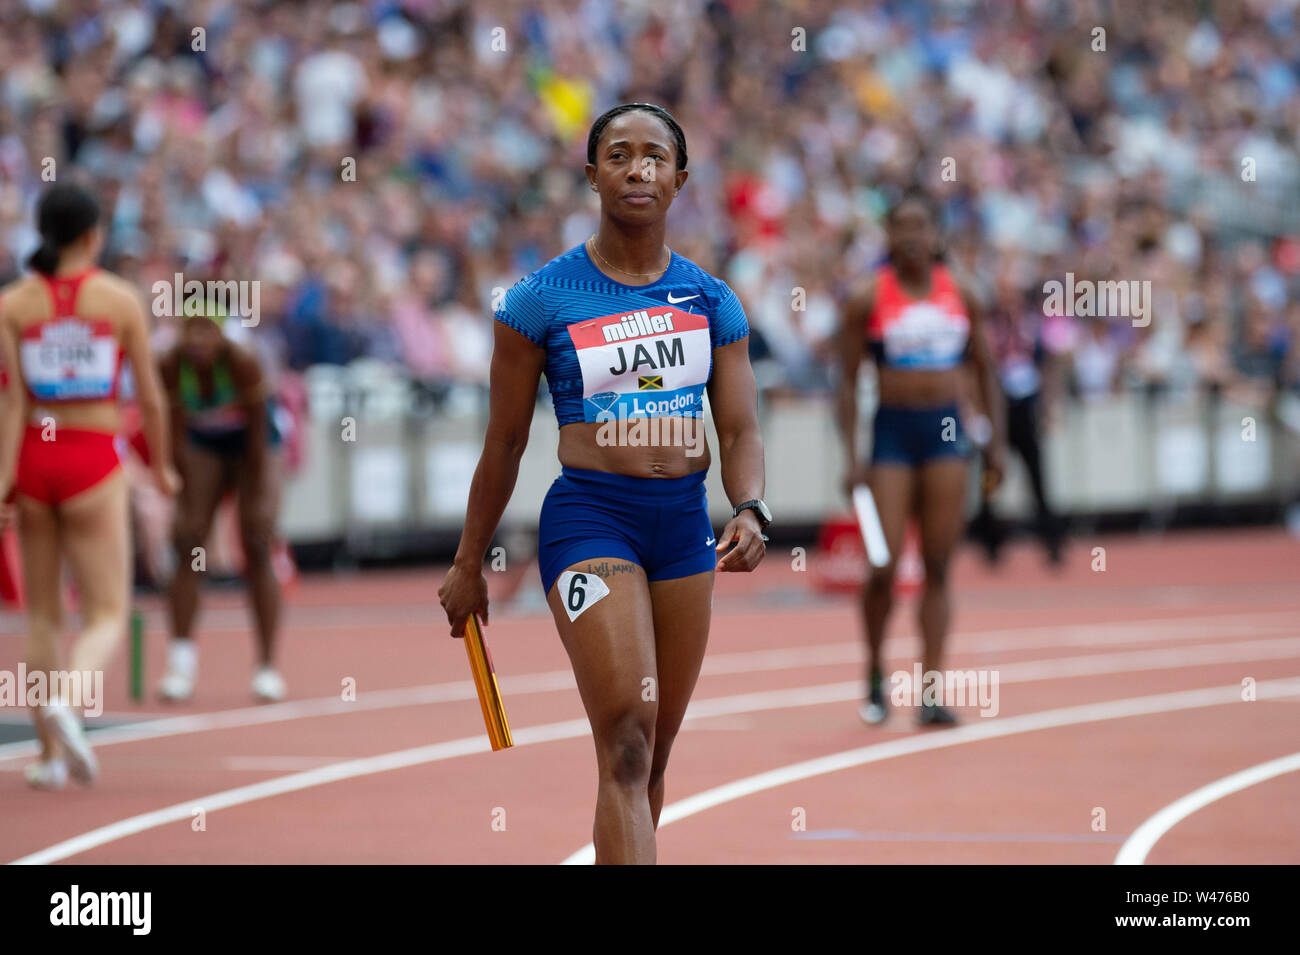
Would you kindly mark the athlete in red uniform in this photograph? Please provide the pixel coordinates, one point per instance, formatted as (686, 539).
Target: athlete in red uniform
(922, 330)
(64, 332)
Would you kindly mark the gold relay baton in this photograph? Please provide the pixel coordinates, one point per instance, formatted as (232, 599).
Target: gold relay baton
(485, 681)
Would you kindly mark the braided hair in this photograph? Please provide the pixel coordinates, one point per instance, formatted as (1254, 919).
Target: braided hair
(598, 128)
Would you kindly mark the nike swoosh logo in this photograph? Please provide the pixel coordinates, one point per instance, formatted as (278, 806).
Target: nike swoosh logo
(684, 298)
(710, 542)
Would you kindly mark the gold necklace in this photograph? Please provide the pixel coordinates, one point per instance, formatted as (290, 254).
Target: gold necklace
(591, 244)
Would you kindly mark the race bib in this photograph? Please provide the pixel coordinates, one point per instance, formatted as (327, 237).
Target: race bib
(579, 591)
(924, 336)
(643, 364)
(69, 358)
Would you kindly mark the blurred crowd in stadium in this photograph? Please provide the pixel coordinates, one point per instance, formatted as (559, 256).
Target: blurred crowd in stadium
(382, 167)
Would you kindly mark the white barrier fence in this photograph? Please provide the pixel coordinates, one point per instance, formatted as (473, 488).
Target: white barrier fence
(399, 470)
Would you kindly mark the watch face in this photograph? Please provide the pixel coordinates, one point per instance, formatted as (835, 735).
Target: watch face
(760, 509)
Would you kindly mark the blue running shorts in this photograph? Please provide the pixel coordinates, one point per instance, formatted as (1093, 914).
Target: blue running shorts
(915, 436)
(662, 524)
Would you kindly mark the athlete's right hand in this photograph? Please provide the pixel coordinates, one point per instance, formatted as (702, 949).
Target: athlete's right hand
(858, 474)
(166, 480)
(463, 592)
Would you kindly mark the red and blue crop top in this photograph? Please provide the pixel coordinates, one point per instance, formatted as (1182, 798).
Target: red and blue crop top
(928, 334)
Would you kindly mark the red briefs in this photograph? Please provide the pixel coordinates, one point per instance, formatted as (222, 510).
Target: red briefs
(75, 461)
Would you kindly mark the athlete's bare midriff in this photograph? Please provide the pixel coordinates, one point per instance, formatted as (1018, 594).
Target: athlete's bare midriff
(28, 303)
(103, 416)
(682, 448)
(912, 388)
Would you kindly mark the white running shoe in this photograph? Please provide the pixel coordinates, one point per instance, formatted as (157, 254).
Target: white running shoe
(177, 685)
(871, 713)
(46, 774)
(67, 729)
(268, 686)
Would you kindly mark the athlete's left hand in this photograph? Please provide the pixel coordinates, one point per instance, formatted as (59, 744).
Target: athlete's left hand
(993, 469)
(747, 534)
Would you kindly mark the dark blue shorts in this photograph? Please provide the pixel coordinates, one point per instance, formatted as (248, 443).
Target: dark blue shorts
(914, 436)
(662, 524)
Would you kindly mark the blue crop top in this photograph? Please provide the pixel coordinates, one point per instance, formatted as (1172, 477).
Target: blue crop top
(623, 351)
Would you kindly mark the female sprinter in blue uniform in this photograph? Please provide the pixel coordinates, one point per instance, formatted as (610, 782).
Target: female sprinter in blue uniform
(922, 330)
(629, 335)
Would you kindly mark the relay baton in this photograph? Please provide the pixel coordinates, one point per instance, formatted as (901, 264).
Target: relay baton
(485, 681)
(873, 535)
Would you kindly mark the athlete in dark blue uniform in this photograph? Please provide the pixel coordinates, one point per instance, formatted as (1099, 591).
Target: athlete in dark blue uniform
(629, 335)
(925, 334)
(626, 359)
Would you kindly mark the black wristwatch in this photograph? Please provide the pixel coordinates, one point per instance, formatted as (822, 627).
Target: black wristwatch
(760, 510)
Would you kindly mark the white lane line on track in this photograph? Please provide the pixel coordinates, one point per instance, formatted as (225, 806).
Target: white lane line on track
(1029, 671)
(750, 661)
(1134, 850)
(569, 729)
(264, 764)
(970, 733)
(415, 614)
(744, 662)
(297, 781)
(853, 835)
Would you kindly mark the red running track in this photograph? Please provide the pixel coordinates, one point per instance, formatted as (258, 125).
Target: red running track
(1176, 623)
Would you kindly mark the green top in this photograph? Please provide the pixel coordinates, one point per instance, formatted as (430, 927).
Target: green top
(219, 412)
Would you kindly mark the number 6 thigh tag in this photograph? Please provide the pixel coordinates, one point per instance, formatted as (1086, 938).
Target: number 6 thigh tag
(579, 591)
